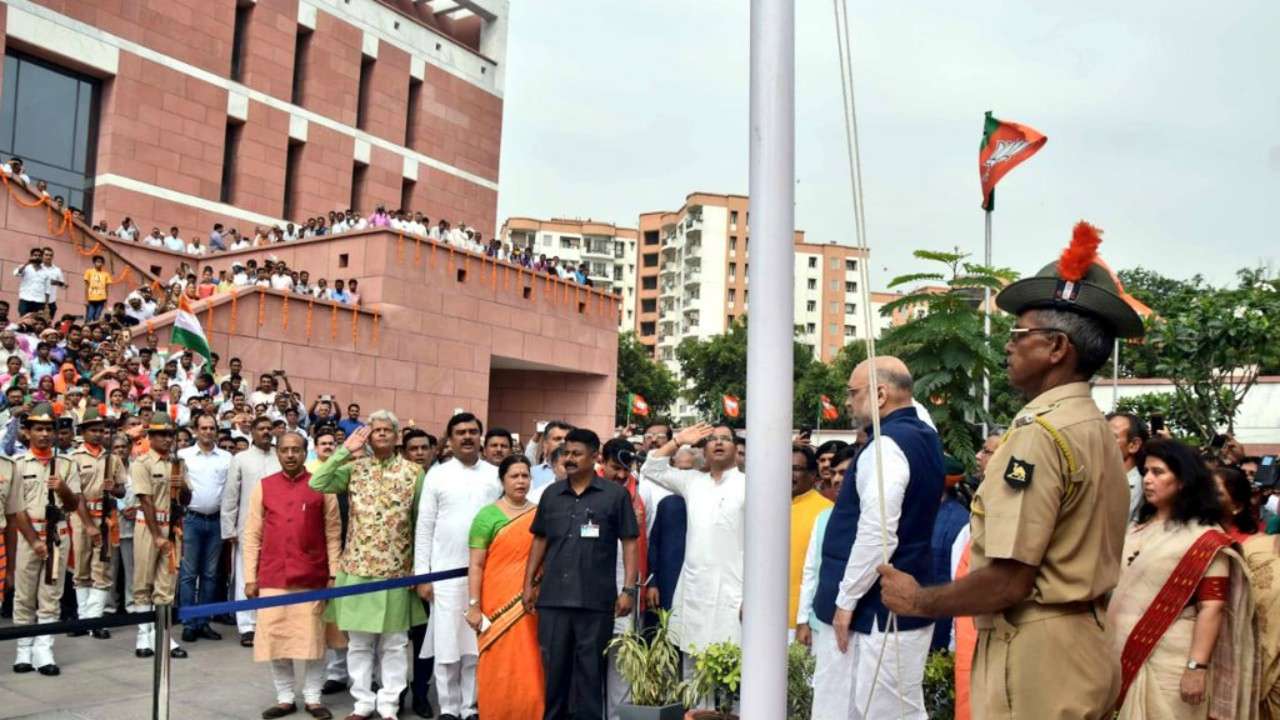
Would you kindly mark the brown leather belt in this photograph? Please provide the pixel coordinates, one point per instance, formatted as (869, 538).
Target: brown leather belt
(1031, 612)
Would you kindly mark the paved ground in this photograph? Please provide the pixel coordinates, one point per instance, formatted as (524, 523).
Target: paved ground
(102, 680)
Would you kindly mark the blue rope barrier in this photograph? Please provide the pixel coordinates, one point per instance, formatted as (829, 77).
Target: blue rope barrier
(220, 608)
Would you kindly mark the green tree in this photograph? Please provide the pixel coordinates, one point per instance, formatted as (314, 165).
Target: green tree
(828, 379)
(639, 373)
(717, 366)
(1213, 345)
(945, 347)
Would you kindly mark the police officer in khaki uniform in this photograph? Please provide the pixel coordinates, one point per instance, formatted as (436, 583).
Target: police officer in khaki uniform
(1048, 520)
(93, 575)
(38, 476)
(155, 478)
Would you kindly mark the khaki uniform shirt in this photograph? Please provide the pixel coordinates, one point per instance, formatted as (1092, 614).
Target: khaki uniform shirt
(29, 488)
(1055, 496)
(6, 483)
(149, 475)
(93, 471)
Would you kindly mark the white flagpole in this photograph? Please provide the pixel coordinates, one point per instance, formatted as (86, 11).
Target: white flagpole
(986, 324)
(1115, 377)
(769, 360)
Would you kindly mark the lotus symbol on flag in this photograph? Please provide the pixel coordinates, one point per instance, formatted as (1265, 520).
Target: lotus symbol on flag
(829, 410)
(731, 406)
(1005, 149)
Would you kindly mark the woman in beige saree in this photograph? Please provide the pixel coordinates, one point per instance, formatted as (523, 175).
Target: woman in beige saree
(1182, 614)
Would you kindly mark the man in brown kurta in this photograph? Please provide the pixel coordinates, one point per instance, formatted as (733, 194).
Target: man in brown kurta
(292, 542)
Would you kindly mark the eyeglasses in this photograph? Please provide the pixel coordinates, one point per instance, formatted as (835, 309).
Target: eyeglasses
(1016, 334)
(720, 438)
(850, 390)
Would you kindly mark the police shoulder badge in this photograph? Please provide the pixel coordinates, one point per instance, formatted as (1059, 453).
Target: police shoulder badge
(1019, 473)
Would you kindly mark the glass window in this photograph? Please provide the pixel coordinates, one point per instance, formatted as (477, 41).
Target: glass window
(48, 117)
(813, 262)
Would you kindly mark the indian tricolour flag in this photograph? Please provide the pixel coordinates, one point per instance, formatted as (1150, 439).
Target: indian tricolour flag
(187, 332)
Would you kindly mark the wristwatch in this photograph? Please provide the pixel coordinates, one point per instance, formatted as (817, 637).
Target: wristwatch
(474, 602)
(1193, 665)
(630, 590)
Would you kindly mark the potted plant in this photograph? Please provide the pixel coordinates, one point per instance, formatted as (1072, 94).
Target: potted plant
(717, 676)
(651, 667)
(800, 664)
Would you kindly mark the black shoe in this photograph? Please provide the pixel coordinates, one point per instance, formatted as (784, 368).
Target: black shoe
(49, 670)
(333, 687)
(422, 708)
(279, 711)
(224, 619)
(208, 633)
(77, 633)
(447, 716)
(178, 653)
(101, 634)
(144, 652)
(189, 635)
(246, 640)
(473, 717)
(23, 668)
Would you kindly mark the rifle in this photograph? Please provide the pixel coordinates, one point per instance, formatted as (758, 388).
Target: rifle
(104, 553)
(52, 516)
(179, 497)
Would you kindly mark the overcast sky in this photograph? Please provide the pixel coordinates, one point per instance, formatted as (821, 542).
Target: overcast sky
(1163, 123)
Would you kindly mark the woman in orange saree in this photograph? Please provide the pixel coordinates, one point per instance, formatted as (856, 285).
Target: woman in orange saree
(1182, 615)
(509, 680)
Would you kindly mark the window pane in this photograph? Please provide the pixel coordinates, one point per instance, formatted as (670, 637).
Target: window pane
(84, 120)
(46, 115)
(7, 109)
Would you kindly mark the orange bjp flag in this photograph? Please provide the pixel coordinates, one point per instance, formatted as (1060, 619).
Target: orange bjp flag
(732, 406)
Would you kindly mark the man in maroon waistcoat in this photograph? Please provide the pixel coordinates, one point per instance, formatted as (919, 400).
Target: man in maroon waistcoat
(292, 541)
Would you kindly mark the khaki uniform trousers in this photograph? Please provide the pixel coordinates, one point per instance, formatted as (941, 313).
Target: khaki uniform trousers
(33, 598)
(154, 582)
(90, 570)
(1045, 666)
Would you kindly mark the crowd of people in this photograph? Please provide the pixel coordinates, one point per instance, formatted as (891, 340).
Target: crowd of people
(1134, 571)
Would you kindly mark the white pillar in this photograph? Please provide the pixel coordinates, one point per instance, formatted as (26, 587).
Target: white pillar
(769, 360)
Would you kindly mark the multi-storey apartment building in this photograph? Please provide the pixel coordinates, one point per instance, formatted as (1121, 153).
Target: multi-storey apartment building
(608, 251)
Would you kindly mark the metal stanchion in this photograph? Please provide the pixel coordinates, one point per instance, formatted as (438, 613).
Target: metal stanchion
(160, 691)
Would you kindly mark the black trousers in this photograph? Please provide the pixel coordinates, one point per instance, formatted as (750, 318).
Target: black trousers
(422, 667)
(572, 642)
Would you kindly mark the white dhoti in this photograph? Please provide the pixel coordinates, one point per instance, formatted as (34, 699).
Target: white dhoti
(843, 681)
(453, 644)
(246, 620)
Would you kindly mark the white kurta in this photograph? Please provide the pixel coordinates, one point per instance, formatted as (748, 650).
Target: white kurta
(452, 494)
(709, 594)
(243, 477)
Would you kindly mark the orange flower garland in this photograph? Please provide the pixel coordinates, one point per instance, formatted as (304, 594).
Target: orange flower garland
(311, 305)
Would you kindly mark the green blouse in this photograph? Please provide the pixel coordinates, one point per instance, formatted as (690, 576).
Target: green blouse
(485, 527)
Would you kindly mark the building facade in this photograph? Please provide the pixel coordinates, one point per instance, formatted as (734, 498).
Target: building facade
(257, 112)
(608, 251)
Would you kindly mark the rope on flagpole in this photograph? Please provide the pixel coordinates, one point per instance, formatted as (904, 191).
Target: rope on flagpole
(844, 49)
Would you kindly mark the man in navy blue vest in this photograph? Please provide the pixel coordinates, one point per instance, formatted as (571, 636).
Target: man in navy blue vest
(848, 594)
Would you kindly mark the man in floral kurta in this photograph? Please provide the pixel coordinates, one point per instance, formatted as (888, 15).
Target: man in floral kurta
(383, 488)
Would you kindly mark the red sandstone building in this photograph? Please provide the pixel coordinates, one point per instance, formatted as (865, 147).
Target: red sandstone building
(242, 112)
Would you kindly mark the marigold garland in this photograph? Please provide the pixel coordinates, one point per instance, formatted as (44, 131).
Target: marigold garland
(262, 308)
(417, 251)
(235, 307)
(333, 323)
(433, 255)
(355, 327)
(284, 311)
(377, 316)
(311, 305)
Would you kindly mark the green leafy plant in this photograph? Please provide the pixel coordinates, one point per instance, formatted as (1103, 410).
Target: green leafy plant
(639, 373)
(800, 665)
(944, 344)
(940, 686)
(650, 665)
(717, 676)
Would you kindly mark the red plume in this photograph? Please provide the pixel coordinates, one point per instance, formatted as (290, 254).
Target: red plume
(102, 409)
(1083, 251)
(58, 407)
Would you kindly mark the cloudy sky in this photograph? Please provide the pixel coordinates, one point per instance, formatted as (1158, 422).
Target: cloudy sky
(1163, 123)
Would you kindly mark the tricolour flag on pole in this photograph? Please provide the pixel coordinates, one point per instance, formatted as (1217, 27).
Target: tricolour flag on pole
(638, 405)
(829, 411)
(1004, 146)
(187, 332)
(731, 406)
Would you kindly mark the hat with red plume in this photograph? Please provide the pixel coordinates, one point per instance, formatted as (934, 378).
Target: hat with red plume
(1078, 282)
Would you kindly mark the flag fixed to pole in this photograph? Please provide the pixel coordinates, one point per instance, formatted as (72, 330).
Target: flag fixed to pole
(829, 410)
(1004, 146)
(638, 406)
(731, 406)
(188, 333)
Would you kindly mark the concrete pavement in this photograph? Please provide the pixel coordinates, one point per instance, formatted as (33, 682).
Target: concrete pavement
(102, 680)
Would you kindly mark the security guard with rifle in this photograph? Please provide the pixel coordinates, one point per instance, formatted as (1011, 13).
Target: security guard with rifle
(159, 480)
(94, 528)
(45, 490)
